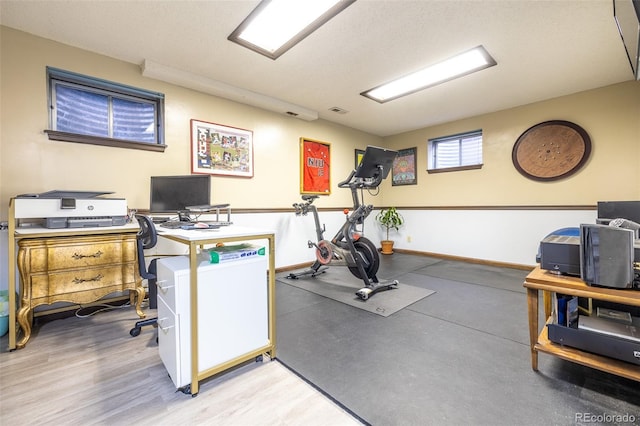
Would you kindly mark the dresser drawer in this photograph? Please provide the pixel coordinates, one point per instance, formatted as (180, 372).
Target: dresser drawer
(167, 281)
(169, 346)
(73, 281)
(70, 253)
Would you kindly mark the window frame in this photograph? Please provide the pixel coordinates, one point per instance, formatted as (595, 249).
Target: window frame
(57, 76)
(432, 151)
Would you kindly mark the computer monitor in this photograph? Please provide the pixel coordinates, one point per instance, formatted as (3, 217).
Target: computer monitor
(172, 194)
(608, 210)
(372, 159)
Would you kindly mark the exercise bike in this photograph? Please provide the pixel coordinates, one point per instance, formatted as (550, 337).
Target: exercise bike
(348, 248)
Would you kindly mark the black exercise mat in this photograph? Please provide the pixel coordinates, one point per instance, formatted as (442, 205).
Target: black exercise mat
(472, 273)
(337, 285)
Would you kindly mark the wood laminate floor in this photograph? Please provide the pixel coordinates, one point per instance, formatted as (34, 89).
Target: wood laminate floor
(458, 357)
(84, 371)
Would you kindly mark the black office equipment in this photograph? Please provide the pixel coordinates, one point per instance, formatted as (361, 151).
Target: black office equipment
(559, 252)
(606, 256)
(173, 194)
(595, 342)
(608, 210)
(175, 224)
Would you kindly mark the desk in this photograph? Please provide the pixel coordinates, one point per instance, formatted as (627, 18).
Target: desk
(195, 239)
(540, 279)
(76, 265)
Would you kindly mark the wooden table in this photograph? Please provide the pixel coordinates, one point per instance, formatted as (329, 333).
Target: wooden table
(540, 279)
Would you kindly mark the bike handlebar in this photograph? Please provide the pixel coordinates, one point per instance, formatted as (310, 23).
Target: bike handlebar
(345, 183)
(350, 182)
(303, 208)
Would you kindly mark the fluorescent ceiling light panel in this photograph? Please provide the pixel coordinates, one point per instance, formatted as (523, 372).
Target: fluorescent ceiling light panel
(465, 63)
(275, 26)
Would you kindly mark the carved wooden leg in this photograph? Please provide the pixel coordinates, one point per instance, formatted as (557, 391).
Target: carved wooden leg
(140, 293)
(24, 319)
(532, 308)
(23, 316)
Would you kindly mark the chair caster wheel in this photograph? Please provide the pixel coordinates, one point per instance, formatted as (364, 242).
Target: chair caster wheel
(135, 331)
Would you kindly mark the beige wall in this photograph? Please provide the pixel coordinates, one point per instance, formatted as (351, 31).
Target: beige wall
(31, 163)
(611, 117)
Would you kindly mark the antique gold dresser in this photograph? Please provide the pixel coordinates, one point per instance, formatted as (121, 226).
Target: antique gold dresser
(77, 269)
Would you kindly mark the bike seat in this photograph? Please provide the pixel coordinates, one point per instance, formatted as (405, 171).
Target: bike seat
(310, 197)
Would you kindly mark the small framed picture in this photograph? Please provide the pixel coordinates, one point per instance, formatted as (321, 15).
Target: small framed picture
(404, 168)
(358, 157)
(221, 150)
(315, 167)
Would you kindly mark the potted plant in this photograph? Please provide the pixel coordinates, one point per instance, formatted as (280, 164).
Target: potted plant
(390, 219)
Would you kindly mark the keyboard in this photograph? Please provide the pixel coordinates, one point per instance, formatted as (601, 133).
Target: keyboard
(175, 224)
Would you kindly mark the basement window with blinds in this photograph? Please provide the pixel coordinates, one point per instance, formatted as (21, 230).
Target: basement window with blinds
(90, 110)
(455, 152)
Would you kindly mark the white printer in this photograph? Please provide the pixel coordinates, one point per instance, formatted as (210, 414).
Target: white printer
(72, 209)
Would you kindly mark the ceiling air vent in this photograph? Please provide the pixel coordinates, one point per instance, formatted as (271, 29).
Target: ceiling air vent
(338, 110)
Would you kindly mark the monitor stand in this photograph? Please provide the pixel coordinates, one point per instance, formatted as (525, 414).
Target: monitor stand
(183, 216)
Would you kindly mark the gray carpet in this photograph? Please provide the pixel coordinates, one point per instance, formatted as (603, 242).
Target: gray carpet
(340, 285)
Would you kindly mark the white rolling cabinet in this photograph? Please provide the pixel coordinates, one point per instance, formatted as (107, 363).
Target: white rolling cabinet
(232, 313)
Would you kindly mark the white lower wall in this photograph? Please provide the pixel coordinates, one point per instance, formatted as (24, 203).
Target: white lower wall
(509, 236)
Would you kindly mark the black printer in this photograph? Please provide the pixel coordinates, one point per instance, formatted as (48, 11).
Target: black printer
(559, 252)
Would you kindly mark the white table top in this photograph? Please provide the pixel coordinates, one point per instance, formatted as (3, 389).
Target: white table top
(231, 231)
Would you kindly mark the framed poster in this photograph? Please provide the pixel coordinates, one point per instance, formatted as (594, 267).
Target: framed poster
(404, 168)
(315, 167)
(221, 150)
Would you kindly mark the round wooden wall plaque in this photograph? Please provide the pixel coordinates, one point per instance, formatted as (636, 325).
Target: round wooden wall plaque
(551, 150)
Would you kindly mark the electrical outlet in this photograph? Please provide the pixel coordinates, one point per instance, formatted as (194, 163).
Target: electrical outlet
(408, 238)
